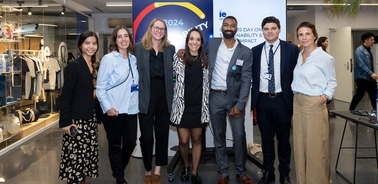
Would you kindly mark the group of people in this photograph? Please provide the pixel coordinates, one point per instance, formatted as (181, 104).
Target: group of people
(192, 88)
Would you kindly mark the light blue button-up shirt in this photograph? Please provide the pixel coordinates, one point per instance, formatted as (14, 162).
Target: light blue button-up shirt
(114, 81)
(315, 77)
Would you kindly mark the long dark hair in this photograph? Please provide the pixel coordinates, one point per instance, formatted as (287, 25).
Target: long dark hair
(83, 36)
(113, 38)
(201, 51)
(320, 42)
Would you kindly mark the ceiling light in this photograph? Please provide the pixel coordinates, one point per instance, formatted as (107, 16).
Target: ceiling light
(48, 25)
(63, 10)
(29, 11)
(119, 4)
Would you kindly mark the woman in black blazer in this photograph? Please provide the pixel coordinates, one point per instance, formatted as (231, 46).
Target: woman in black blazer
(79, 156)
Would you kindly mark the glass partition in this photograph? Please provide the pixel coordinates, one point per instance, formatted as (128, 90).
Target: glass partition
(41, 31)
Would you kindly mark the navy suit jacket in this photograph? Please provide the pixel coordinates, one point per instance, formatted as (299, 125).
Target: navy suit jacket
(289, 56)
(238, 79)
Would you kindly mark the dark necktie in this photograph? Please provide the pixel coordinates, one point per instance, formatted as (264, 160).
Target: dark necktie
(271, 85)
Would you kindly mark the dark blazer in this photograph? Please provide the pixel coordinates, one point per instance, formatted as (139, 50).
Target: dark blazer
(76, 98)
(289, 56)
(143, 60)
(238, 80)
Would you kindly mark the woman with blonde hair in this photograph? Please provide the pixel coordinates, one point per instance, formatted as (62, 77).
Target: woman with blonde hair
(155, 66)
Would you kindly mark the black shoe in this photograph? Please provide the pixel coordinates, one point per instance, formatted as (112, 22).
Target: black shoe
(196, 179)
(184, 174)
(285, 180)
(267, 178)
(330, 114)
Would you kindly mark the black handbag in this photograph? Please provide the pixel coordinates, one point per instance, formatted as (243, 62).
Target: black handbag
(28, 115)
(42, 107)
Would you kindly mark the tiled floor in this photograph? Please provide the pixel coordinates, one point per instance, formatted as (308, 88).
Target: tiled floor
(37, 161)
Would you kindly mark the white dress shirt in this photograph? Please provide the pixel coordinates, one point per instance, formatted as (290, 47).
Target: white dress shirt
(264, 67)
(222, 62)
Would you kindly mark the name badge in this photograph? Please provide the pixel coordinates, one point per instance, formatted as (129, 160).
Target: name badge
(134, 87)
(239, 62)
(267, 76)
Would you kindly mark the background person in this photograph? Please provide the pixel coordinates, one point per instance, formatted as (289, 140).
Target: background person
(364, 75)
(274, 108)
(323, 43)
(314, 83)
(155, 63)
(117, 91)
(70, 58)
(79, 156)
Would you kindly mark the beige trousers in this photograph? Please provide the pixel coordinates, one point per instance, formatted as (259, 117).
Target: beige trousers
(311, 140)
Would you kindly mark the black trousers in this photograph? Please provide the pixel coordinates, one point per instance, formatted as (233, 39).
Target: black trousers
(274, 119)
(155, 123)
(364, 85)
(121, 132)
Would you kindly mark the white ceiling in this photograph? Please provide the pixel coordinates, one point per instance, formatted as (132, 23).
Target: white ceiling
(51, 14)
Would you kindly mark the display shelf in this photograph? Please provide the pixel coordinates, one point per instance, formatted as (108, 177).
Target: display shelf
(28, 131)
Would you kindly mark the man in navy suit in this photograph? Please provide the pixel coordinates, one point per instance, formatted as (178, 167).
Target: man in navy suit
(272, 73)
(230, 80)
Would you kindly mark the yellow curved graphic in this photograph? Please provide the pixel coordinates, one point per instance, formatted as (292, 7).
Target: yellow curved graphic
(187, 5)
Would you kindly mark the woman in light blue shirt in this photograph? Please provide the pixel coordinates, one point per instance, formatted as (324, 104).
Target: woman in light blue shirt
(117, 91)
(314, 83)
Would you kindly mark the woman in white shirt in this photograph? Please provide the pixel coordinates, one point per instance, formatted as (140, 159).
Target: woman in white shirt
(313, 84)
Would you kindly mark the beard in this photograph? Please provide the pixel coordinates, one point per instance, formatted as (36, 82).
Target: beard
(228, 33)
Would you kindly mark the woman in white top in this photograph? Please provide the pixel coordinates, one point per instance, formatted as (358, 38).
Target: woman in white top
(314, 83)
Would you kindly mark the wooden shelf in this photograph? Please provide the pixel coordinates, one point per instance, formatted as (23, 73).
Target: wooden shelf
(28, 129)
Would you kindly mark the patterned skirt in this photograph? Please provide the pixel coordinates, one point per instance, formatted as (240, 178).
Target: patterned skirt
(79, 157)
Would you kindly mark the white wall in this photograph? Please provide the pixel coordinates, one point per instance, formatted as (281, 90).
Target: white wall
(101, 21)
(366, 20)
(294, 21)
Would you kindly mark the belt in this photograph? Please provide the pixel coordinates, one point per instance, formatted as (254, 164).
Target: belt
(156, 77)
(271, 95)
(219, 91)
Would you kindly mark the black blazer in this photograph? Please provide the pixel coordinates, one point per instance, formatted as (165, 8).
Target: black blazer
(76, 99)
(143, 61)
(289, 56)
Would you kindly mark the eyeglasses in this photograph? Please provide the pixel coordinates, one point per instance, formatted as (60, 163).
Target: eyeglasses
(160, 29)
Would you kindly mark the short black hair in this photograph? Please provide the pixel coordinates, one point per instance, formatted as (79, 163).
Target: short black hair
(271, 19)
(366, 36)
(231, 17)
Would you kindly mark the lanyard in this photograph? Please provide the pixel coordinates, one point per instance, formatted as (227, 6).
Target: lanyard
(266, 56)
(131, 70)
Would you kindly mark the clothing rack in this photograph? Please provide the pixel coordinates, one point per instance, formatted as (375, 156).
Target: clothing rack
(16, 51)
(34, 51)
